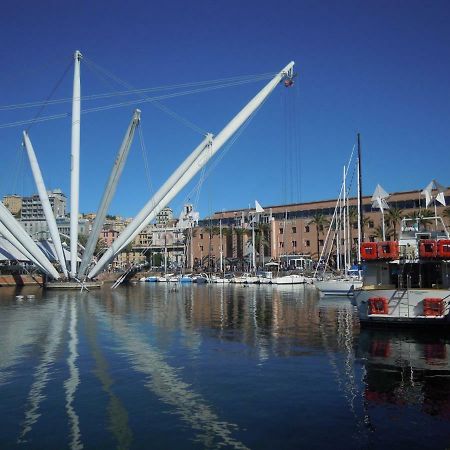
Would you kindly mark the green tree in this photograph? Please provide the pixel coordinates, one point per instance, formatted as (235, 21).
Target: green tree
(422, 217)
(378, 232)
(394, 216)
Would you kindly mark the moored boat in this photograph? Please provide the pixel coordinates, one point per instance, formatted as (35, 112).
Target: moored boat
(407, 282)
(289, 279)
(338, 286)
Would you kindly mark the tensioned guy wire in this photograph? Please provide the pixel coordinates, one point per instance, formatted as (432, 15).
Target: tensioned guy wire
(128, 103)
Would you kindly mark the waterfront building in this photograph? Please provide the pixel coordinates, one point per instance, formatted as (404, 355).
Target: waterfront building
(295, 229)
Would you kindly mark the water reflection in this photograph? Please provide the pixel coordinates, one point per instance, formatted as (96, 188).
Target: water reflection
(406, 368)
(50, 346)
(71, 384)
(217, 366)
(166, 383)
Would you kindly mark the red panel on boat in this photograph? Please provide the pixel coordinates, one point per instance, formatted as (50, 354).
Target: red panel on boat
(388, 250)
(443, 248)
(378, 305)
(369, 251)
(427, 248)
(433, 307)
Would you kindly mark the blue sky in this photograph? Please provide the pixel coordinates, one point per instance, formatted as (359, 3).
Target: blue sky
(377, 67)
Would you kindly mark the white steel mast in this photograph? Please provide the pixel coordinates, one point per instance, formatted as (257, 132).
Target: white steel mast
(221, 247)
(75, 164)
(181, 177)
(48, 212)
(110, 190)
(14, 242)
(344, 220)
(22, 236)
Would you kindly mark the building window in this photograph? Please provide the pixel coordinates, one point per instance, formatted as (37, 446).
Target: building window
(371, 238)
(281, 230)
(321, 242)
(294, 244)
(201, 248)
(294, 230)
(307, 229)
(201, 235)
(281, 244)
(320, 227)
(371, 224)
(307, 243)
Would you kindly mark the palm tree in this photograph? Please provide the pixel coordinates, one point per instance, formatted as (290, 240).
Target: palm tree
(378, 232)
(394, 216)
(261, 239)
(320, 221)
(422, 217)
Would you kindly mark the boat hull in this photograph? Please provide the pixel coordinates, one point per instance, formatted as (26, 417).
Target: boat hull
(289, 279)
(405, 307)
(338, 287)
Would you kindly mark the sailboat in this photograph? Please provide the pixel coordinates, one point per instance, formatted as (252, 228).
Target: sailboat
(351, 280)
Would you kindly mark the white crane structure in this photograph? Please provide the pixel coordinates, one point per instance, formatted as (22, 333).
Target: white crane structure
(75, 164)
(187, 170)
(26, 241)
(11, 229)
(110, 190)
(15, 243)
(48, 212)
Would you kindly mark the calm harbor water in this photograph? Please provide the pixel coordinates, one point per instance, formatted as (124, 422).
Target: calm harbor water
(191, 367)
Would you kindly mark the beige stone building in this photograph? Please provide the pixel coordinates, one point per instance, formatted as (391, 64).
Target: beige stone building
(14, 204)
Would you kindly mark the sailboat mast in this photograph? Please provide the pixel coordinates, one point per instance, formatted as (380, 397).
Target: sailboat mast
(253, 245)
(75, 164)
(221, 247)
(344, 220)
(360, 213)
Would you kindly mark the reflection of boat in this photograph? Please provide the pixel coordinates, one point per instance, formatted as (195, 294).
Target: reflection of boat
(406, 282)
(405, 370)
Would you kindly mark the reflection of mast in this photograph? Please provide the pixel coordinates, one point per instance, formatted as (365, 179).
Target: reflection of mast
(41, 374)
(118, 415)
(164, 381)
(73, 381)
(346, 383)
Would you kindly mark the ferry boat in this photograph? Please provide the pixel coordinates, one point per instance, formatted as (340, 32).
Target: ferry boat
(406, 282)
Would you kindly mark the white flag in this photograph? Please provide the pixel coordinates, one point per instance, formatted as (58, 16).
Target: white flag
(258, 207)
(379, 199)
(428, 193)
